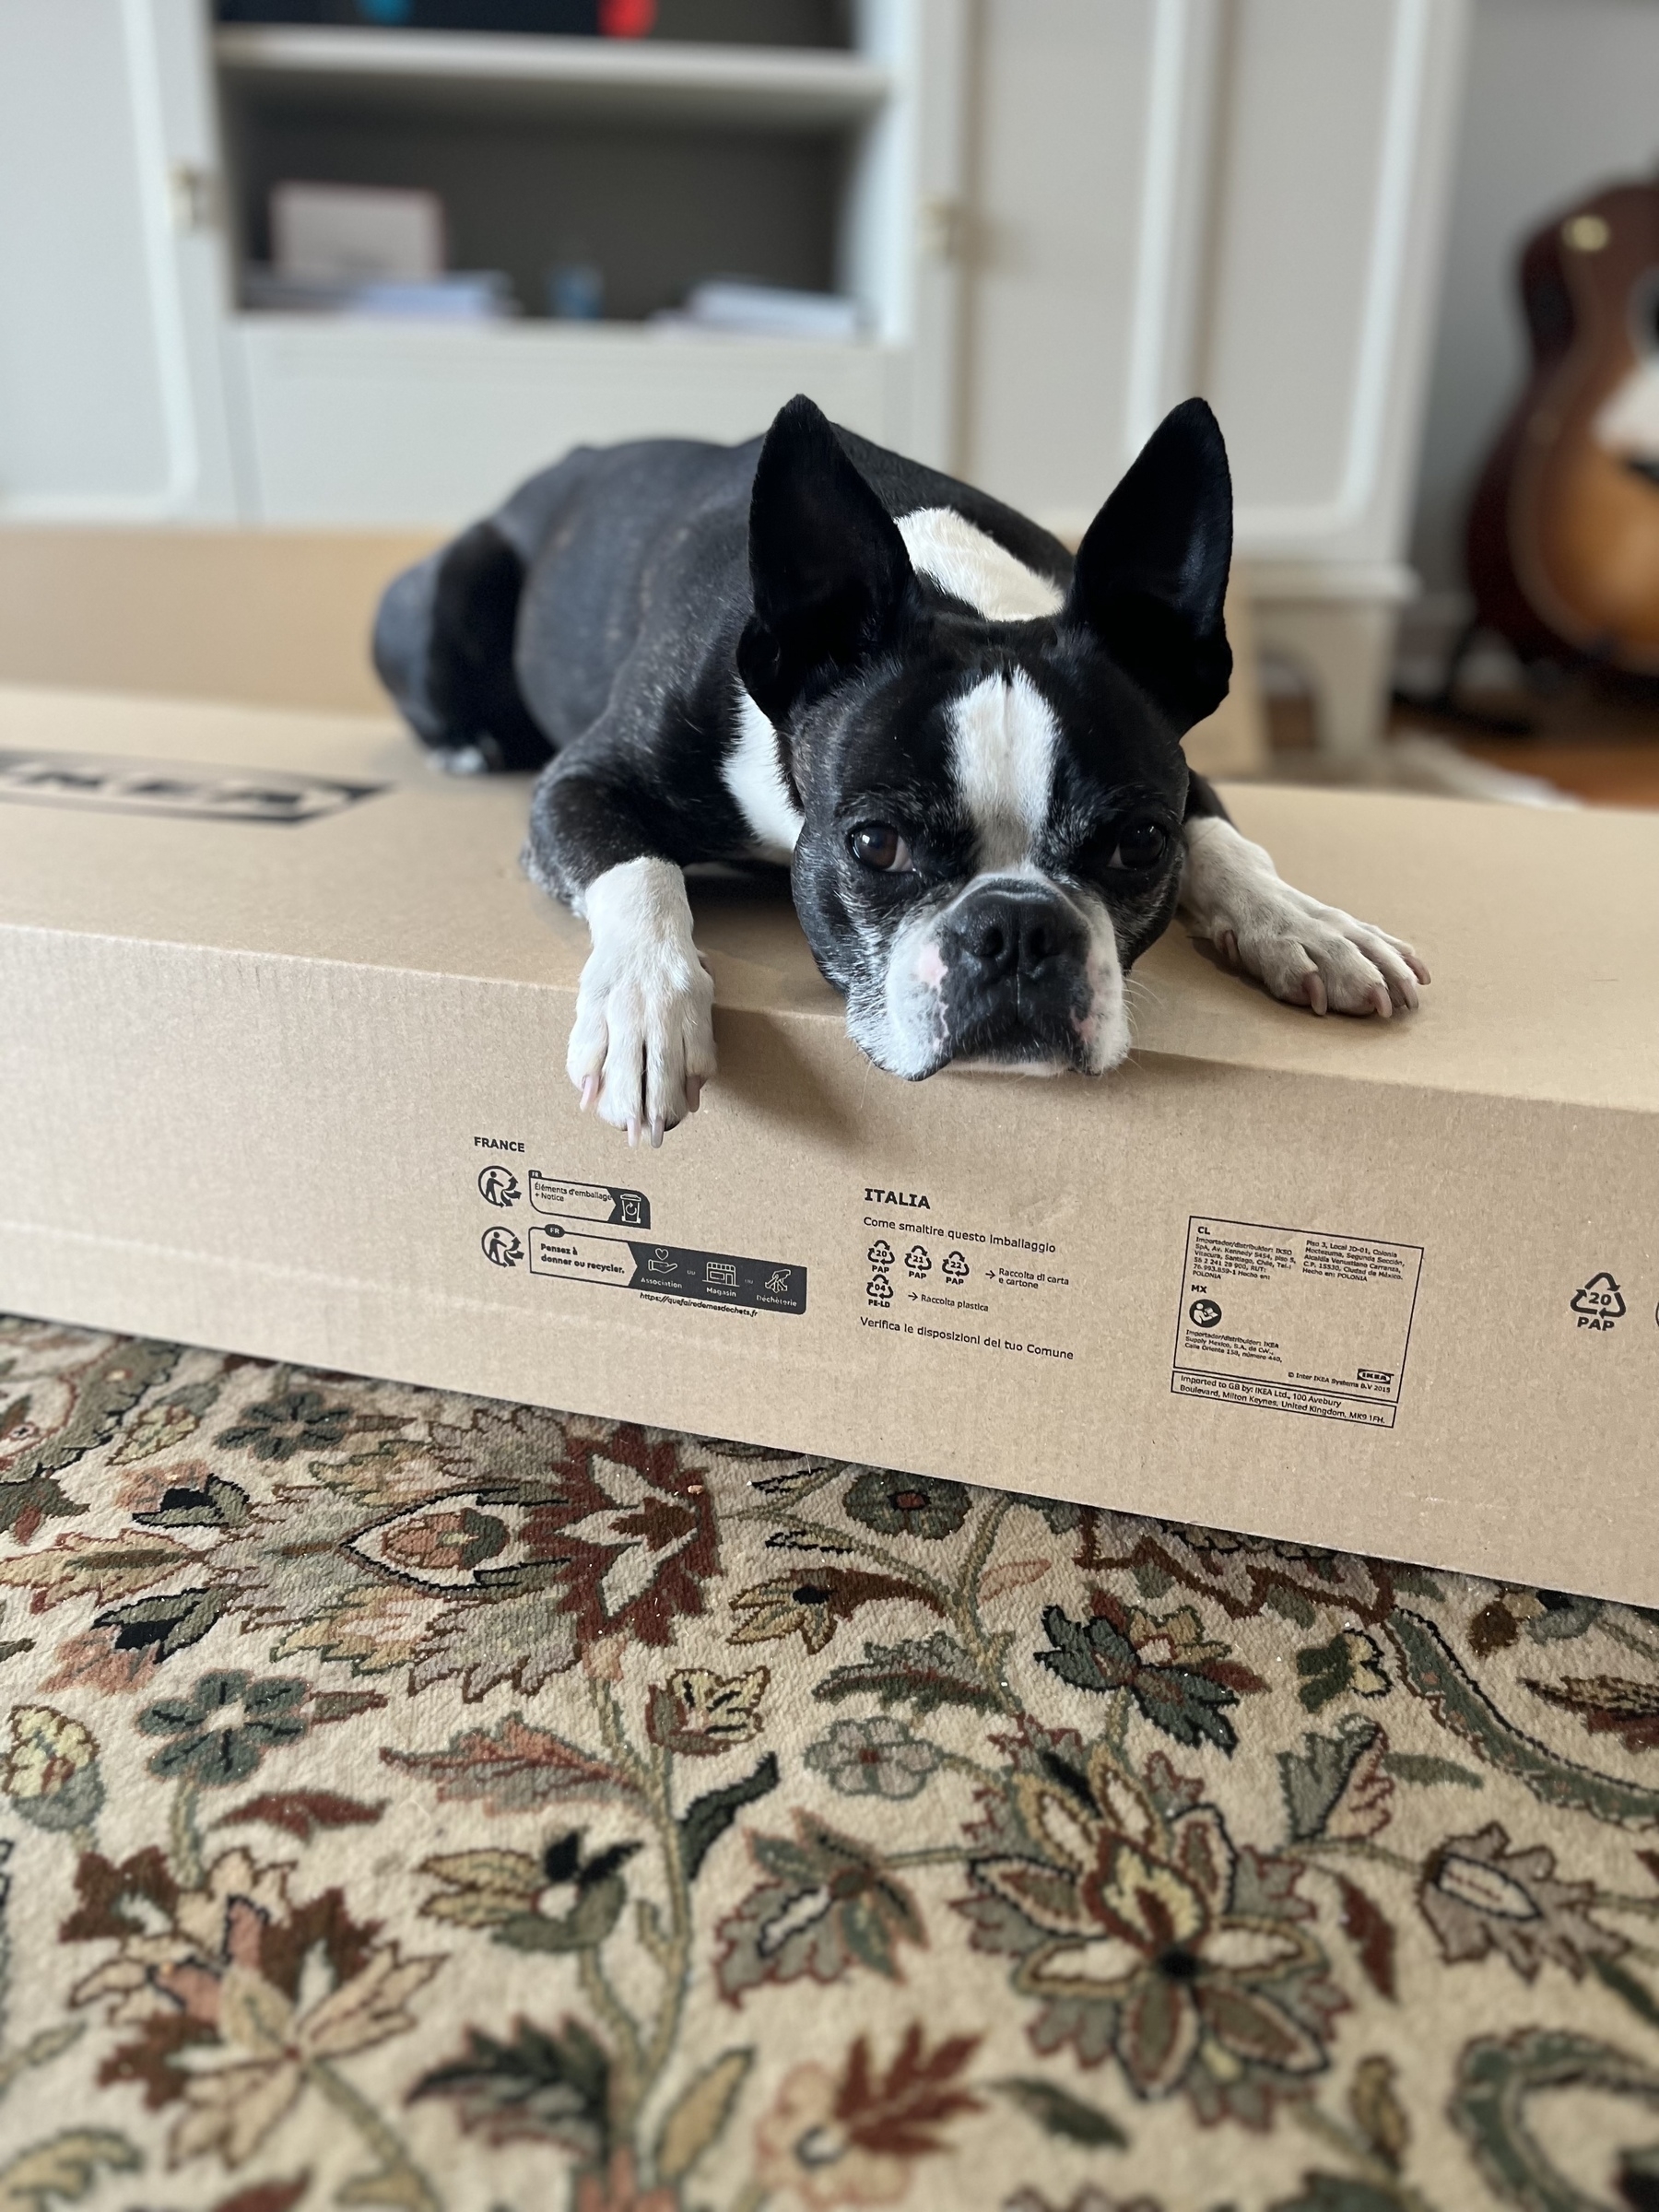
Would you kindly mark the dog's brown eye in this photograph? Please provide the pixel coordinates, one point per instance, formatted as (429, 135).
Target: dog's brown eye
(1139, 845)
(879, 846)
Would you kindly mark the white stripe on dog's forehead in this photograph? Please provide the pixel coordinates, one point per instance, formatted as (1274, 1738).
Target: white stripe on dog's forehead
(962, 559)
(1003, 742)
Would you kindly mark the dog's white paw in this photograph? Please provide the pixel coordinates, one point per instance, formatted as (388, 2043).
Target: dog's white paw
(1306, 953)
(1317, 956)
(643, 1045)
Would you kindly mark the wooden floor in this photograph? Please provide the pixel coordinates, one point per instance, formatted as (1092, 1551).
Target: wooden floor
(1602, 747)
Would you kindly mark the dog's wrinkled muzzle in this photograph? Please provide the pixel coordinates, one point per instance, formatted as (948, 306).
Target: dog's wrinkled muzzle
(1015, 986)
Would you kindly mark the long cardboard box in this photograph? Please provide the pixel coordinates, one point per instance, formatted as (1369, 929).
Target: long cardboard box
(282, 1071)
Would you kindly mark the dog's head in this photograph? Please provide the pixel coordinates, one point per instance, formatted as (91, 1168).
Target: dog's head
(991, 806)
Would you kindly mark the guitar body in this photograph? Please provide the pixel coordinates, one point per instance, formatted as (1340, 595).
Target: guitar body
(1563, 536)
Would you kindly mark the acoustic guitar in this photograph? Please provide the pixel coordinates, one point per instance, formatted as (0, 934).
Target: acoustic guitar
(1563, 533)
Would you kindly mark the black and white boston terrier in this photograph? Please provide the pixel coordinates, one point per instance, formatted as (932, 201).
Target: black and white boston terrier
(964, 744)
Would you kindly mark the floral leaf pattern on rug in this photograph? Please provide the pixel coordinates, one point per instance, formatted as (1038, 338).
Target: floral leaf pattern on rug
(413, 1801)
(64, 2167)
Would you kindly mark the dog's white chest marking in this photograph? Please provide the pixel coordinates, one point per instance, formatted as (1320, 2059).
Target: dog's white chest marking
(1003, 741)
(948, 549)
(755, 780)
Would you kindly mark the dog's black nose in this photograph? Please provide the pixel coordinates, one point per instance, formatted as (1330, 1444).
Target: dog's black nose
(1013, 935)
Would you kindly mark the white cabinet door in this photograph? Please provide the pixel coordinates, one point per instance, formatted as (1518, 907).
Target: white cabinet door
(1333, 190)
(109, 279)
(1238, 197)
(1091, 164)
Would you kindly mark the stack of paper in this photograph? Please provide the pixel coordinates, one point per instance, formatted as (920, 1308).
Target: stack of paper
(731, 306)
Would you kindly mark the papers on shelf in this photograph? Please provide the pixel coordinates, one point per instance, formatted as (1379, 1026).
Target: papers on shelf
(729, 307)
(466, 296)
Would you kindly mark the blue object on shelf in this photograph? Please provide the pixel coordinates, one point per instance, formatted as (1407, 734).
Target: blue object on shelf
(576, 291)
(578, 18)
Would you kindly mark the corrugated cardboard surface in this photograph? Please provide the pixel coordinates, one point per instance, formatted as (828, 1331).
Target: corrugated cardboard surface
(249, 1063)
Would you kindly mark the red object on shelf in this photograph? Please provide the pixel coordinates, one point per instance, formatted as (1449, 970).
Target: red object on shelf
(626, 19)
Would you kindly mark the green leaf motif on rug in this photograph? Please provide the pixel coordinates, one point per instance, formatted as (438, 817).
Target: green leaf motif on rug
(1058, 2112)
(1313, 1781)
(105, 1390)
(216, 1504)
(1185, 1696)
(164, 1625)
(1351, 1661)
(66, 2168)
(828, 1903)
(552, 2087)
(1417, 1766)
(1436, 1677)
(706, 1819)
(1496, 2080)
(1337, 2193)
(923, 1673)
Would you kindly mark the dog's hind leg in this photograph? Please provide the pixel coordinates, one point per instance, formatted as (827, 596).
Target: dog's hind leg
(443, 647)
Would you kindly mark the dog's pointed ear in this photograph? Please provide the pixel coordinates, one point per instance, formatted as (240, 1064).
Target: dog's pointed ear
(1151, 571)
(831, 574)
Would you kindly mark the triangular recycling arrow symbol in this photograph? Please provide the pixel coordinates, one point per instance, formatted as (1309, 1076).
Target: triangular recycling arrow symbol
(1601, 1296)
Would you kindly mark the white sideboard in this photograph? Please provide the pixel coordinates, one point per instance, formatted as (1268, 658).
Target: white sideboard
(1058, 216)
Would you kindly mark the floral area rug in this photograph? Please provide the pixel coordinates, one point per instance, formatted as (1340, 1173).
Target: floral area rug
(413, 1800)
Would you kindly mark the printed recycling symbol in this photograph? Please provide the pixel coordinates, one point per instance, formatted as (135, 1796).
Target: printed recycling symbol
(881, 1254)
(1600, 1303)
(499, 1186)
(919, 1260)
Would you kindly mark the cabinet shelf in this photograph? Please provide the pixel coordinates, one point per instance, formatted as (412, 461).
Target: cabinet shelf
(759, 86)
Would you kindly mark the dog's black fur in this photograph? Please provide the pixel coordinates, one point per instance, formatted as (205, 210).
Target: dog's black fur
(617, 617)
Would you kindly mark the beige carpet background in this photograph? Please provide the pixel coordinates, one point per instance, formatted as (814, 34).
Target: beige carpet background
(417, 1801)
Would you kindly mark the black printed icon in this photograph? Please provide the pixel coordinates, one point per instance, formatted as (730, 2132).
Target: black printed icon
(878, 1290)
(1204, 1313)
(501, 1247)
(662, 1261)
(629, 1202)
(954, 1269)
(880, 1254)
(1600, 1303)
(918, 1260)
(499, 1185)
(777, 1282)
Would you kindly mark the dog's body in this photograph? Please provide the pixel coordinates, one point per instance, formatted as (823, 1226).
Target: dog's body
(965, 745)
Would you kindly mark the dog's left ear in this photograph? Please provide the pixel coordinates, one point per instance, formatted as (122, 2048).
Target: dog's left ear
(1151, 571)
(831, 574)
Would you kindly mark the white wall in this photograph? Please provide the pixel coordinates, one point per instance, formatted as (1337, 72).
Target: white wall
(1563, 96)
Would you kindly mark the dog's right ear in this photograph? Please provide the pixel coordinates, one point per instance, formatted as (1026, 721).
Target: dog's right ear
(829, 569)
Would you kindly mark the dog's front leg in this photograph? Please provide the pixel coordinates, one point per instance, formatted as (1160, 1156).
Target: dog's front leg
(643, 1045)
(1306, 953)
